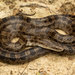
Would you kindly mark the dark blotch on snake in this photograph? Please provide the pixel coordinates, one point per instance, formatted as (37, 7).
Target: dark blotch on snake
(3, 53)
(73, 25)
(22, 54)
(23, 58)
(64, 18)
(49, 19)
(45, 21)
(21, 18)
(12, 17)
(70, 49)
(4, 20)
(12, 55)
(60, 37)
(52, 34)
(32, 52)
(28, 19)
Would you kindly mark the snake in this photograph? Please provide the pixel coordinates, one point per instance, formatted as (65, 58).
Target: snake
(37, 36)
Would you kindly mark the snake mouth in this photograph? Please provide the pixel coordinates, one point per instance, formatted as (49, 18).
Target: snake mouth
(56, 49)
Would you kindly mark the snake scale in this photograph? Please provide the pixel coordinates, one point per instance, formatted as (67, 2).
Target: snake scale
(38, 34)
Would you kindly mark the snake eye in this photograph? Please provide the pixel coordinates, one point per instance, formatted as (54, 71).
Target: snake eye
(14, 40)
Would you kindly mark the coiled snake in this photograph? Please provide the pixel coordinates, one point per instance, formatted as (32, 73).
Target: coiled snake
(38, 34)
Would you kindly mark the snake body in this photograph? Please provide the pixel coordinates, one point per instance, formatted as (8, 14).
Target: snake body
(39, 32)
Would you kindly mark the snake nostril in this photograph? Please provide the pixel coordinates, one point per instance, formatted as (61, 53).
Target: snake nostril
(14, 40)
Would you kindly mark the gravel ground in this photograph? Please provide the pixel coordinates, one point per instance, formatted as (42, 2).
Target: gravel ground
(52, 63)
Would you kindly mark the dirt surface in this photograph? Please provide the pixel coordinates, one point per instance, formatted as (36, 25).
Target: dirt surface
(52, 63)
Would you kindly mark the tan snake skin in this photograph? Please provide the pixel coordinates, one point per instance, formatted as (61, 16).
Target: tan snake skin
(38, 34)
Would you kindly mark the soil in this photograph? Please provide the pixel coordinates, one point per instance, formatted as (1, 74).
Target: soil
(52, 63)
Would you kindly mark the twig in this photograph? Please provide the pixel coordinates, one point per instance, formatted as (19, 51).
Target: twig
(33, 5)
(24, 69)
